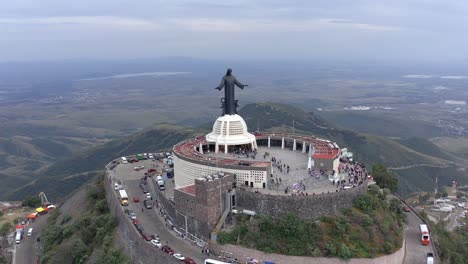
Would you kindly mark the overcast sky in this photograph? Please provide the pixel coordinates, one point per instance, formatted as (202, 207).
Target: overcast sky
(403, 30)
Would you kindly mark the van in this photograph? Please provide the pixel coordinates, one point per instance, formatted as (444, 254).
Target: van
(161, 185)
(18, 237)
(30, 231)
(124, 160)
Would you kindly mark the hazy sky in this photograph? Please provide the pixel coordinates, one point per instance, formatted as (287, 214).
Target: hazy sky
(279, 29)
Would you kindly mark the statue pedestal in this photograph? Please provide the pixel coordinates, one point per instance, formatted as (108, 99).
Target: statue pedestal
(230, 130)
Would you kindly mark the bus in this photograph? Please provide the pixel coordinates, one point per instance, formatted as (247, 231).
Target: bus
(424, 234)
(212, 261)
(123, 197)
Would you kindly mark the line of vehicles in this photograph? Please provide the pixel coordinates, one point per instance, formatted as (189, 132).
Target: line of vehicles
(426, 240)
(145, 156)
(165, 158)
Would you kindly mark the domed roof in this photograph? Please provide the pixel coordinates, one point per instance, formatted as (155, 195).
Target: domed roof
(230, 130)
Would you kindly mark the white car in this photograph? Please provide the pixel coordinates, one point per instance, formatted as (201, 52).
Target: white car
(430, 258)
(179, 256)
(157, 243)
(148, 195)
(150, 156)
(116, 187)
(139, 167)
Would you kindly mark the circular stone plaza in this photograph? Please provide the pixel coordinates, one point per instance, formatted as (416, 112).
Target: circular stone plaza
(274, 163)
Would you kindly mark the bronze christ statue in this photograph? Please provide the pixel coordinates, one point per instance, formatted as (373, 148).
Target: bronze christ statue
(229, 103)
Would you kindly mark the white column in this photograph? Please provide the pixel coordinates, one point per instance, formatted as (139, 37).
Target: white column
(303, 147)
(282, 143)
(294, 145)
(268, 142)
(216, 147)
(226, 149)
(310, 163)
(310, 149)
(200, 149)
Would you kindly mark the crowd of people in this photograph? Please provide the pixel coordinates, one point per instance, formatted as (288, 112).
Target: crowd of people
(356, 172)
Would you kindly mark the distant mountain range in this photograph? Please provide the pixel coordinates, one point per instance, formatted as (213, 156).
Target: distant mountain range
(415, 161)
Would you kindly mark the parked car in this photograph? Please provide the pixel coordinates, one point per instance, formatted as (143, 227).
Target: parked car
(139, 167)
(116, 186)
(148, 196)
(131, 215)
(139, 227)
(148, 204)
(430, 258)
(145, 236)
(189, 261)
(150, 156)
(406, 209)
(135, 222)
(136, 199)
(168, 250)
(156, 242)
(151, 170)
(179, 256)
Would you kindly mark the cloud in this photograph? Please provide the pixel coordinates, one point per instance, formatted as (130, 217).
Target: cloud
(454, 77)
(277, 25)
(105, 21)
(419, 76)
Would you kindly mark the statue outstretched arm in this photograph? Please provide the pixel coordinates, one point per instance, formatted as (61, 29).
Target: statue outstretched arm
(221, 85)
(239, 84)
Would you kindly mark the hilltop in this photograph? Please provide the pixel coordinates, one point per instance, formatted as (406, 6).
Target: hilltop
(409, 159)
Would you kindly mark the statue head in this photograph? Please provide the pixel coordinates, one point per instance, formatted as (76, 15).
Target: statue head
(229, 71)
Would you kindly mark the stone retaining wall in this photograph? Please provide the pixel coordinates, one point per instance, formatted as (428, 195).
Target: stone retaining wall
(306, 207)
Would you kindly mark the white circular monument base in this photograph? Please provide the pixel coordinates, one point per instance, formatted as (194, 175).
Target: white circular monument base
(230, 130)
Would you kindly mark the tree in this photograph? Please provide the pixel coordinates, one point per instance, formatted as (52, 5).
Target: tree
(5, 229)
(31, 201)
(383, 178)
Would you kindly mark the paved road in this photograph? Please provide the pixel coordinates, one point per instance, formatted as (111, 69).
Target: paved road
(27, 251)
(415, 251)
(149, 218)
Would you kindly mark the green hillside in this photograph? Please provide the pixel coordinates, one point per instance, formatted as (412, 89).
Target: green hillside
(67, 174)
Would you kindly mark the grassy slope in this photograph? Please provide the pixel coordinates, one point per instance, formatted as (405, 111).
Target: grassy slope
(68, 174)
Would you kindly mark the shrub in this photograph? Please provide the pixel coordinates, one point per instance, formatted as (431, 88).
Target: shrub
(331, 249)
(366, 203)
(344, 252)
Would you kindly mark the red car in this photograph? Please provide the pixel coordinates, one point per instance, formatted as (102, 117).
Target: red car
(136, 199)
(151, 170)
(189, 261)
(148, 238)
(135, 222)
(406, 209)
(168, 250)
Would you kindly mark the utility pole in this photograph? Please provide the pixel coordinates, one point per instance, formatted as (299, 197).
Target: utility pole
(435, 191)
